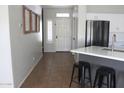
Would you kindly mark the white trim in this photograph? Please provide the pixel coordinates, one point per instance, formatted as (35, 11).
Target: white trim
(29, 71)
(6, 85)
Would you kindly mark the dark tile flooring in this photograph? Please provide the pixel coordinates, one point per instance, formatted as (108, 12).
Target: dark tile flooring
(53, 71)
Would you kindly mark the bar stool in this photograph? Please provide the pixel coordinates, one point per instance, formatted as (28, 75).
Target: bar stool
(83, 67)
(75, 66)
(107, 72)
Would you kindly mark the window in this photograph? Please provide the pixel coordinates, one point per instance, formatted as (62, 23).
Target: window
(62, 15)
(31, 21)
(49, 31)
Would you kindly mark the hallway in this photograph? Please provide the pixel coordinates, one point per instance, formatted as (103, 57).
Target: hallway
(53, 71)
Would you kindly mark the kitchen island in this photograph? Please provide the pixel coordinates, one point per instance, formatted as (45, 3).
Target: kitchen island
(100, 52)
(98, 56)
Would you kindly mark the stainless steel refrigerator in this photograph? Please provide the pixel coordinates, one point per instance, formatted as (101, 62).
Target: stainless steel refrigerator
(97, 33)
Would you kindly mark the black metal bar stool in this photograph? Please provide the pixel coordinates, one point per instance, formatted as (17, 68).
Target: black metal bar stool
(83, 67)
(75, 66)
(103, 72)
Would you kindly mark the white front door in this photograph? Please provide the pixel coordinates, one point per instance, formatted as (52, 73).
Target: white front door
(63, 34)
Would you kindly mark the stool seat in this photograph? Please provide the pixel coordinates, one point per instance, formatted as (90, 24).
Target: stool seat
(107, 72)
(85, 64)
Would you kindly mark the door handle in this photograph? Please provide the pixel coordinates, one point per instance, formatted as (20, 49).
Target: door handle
(56, 37)
(73, 38)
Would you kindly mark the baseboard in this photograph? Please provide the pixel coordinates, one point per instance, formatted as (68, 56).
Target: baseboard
(6, 85)
(29, 72)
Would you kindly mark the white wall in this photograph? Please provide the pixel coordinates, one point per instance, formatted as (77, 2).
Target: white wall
(6, 79)
(81, 25)
(79, 19)
(26, 48)
(50, 14)
(113, 9)
(74, 26)
(116, 25)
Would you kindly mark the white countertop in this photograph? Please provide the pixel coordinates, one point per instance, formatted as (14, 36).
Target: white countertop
(99, 52)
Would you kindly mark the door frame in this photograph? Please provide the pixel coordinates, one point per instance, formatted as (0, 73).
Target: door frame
(70, 33)
(43, 31)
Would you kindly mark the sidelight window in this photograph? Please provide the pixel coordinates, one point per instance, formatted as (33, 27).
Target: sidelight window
(49, 31)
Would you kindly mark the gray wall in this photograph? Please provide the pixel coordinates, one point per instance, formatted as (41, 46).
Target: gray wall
(26, 48)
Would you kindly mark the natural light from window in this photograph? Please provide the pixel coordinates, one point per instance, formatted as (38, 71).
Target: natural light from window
(62, 15)
(49, 31)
